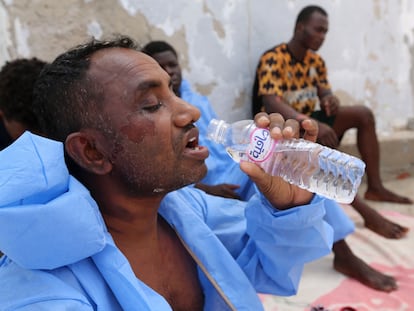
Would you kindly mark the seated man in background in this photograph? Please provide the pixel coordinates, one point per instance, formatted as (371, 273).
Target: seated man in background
(17, 79)
(291, 79)
(224, 177)
(121, 234)
(221, 167)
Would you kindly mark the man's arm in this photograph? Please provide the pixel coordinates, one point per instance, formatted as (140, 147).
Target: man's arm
(276, 233)
(271, 246)
(275, 103)
(326, 135)
(285, 225)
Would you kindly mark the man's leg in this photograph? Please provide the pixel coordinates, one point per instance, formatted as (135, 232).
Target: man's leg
(345, 260)
(361, 118)
(347, 263)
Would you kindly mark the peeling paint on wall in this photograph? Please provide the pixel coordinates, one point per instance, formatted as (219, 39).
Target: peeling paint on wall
(4, 35)
(95, 30)
(370, 60)
(21, 33)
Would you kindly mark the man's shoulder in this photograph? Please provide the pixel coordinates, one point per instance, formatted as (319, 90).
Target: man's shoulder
(280, 48)
(314, 56)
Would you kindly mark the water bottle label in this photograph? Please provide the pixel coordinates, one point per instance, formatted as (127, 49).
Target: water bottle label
(261, 145)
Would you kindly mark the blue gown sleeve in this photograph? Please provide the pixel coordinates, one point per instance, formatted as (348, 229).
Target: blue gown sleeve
(271, 246)
(280, 243)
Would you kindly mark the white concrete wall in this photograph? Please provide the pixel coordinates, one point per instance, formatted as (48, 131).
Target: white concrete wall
(369, 49)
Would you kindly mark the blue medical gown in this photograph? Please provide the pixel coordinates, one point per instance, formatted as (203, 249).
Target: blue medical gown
(60, 256)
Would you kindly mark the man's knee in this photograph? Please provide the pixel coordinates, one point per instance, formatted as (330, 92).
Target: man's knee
(360, 115)
(366, 115)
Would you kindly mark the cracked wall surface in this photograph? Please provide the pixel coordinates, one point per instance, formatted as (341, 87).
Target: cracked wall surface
(369, 49)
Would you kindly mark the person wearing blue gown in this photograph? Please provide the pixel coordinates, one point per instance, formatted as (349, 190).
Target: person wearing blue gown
(94, 215)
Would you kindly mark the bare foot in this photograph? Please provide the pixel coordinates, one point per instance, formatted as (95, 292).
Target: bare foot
(350, 265)
(385, 195)
(384, 227)
(378, 223)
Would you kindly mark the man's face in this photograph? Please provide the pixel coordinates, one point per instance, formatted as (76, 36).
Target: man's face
(169, 62)
(146, 131)
(313, 32)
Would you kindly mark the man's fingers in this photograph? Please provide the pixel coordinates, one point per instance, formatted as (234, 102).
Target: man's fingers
(276, 120)
(311, 129)
(276, 126)
(252, 170)
(262, 180)
(291, 129)
(262, 119)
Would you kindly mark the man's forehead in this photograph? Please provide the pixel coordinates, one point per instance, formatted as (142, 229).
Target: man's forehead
(114, 61)
(318, 16)
(120, 56)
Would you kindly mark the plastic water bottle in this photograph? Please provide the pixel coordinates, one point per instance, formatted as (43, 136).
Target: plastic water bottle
(309, 165)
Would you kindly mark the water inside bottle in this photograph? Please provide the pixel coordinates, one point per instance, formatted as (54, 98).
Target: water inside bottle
(237, 152)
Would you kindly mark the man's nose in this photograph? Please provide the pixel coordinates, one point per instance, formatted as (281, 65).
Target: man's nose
(186, 113)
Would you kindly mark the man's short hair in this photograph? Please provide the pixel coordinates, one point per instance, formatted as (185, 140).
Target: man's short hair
(65, 99)
(17, 79)
(155, 47)
(306, 13)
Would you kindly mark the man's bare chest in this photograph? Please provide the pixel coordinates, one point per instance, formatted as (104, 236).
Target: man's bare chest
(171, 271)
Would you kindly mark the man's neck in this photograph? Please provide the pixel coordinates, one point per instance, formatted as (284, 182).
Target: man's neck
(137, 217)
(126, 215)
(296, 49)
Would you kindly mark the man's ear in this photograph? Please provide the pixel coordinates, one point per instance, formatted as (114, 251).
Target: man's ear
(299, 27)
(81, 147)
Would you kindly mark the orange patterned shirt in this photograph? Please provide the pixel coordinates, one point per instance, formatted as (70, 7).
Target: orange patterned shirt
(297, 82)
